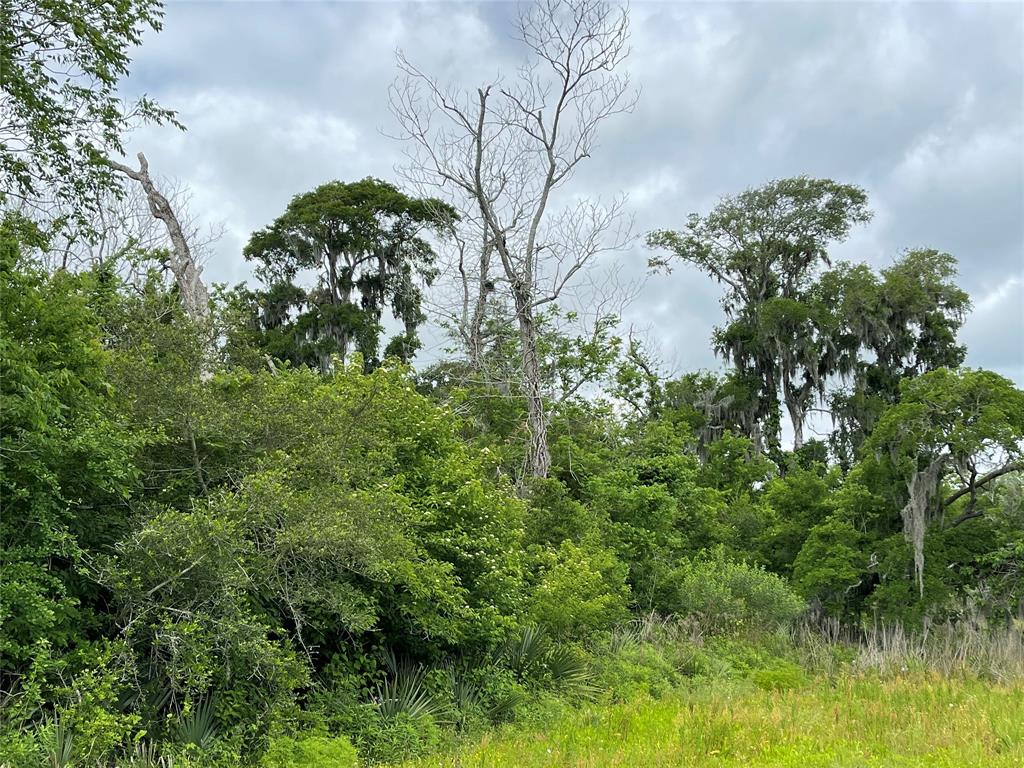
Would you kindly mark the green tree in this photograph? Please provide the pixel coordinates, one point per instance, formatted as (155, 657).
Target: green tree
(363, 242)
(832, 566)
(799, 500)
(961, 426)
(657, 508)
(66, 465)
(887, 327)
(765, 246)
(343, 513)
(60, 113)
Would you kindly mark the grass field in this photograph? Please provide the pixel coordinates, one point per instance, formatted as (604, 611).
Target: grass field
(849, 723)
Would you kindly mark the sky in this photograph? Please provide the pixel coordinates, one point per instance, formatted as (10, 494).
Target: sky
(921, 104)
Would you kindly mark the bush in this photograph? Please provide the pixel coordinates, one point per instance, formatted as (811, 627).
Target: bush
(723, 594)
(20, 748)
(578, 590)
(310, 752)
(640, 669)
(830, 564)
(400, 737)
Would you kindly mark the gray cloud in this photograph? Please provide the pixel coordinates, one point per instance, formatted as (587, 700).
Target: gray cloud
(922, 104)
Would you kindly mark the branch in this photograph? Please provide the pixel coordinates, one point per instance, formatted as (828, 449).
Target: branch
(194, 295)
(1015, 466)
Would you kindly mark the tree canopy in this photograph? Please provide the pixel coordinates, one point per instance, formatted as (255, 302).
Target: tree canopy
(766, 245)
(60, 112)
(364, 242)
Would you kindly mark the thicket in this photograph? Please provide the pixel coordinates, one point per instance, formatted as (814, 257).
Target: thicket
(246, 562)
(238, 529)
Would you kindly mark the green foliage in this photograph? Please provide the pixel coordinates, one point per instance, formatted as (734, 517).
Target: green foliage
(357, 510)
(765, 246)
(362, 240)
(724, 594)
(831, 565)
(578, 590)
(68, 710)
(955, 414)
(267, 532)
(306, 751)
(784, 676)
(65, 471)
(954, 576)
(955, 424)
(554, 516)
(196, 728)
(657, 508)
(632, 670)
(404, 694)
(799, 500)
(855, 721)
(732, 464)
(157, 361)
(61, 113)
(907, 318)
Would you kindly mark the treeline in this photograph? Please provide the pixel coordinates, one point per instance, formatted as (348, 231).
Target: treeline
(239, 525)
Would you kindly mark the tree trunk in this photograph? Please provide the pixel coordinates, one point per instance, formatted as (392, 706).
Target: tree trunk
(475, 329)
(797, 416)
(537, 461)
(194, 296)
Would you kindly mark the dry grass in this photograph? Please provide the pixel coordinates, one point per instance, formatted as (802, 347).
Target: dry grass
(949, 650)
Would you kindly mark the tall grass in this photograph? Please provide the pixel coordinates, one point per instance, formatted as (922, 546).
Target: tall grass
(852, 722)
(950, 650)
(652, 629)
(830, 648)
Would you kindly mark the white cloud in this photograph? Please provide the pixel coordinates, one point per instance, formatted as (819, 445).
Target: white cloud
(922, 104)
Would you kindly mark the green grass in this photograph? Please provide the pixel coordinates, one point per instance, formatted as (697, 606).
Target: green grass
(849, 723)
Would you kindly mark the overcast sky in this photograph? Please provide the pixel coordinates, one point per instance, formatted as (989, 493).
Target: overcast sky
(921, 104)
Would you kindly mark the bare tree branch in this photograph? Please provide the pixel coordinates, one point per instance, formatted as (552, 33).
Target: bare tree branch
(187, 273)
(500, 153)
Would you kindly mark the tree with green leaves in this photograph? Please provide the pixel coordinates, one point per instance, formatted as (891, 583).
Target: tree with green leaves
(66, 467)
(897, 324)
(60, 113)
(961, 427)
(766, 246)
(364, 243)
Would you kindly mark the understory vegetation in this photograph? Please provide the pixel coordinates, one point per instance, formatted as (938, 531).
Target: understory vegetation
(856, 723)
(246, 526)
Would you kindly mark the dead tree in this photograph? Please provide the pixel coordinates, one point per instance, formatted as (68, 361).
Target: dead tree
(120, 232)
(501, 153)
(187, 272)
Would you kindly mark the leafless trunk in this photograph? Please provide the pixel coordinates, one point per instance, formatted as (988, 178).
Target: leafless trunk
(537, 460)
(194, 296)
(501, 153)
(476, 294)
(797, 412)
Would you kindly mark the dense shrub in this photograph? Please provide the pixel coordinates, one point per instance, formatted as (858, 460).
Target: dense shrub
(578, 590)
(830, 565)
(638, 669)
(723, 594)
(310, 752)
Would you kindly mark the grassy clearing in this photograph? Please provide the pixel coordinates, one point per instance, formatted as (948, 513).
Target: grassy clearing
(847, 723)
